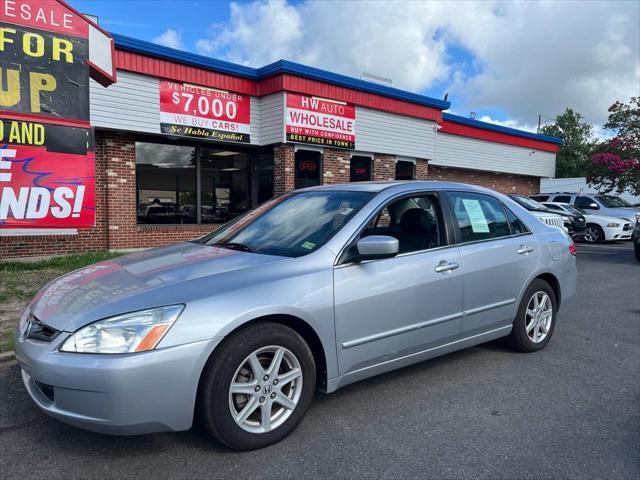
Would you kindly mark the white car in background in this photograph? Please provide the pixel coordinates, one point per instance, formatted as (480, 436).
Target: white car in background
(600, 228)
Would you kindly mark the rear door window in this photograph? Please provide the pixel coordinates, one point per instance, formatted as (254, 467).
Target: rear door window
(479, 217)
(562, 199)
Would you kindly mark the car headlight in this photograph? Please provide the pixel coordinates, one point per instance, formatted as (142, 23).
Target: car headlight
(131, 332)
(613, 225)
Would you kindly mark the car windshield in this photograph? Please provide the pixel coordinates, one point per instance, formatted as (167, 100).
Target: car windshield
(528, 203)
(610, 201)
(291, 225)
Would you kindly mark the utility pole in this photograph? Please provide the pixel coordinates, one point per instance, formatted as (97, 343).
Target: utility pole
(539, 121)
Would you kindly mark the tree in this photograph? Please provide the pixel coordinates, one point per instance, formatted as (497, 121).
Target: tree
(573, 158)
(615, 165)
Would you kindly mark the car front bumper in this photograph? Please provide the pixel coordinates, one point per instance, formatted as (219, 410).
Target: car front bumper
(116, 394)
(617, 233)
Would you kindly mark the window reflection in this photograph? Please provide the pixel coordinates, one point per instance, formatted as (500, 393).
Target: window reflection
(225, 185)
(166, 181)
(230, 182)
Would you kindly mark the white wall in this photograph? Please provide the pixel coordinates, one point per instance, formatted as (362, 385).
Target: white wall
(465, 152)
(133, 104)
(382, 132)
(272, 118)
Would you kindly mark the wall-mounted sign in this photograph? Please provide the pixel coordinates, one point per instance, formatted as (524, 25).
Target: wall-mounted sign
(194, 111)
(319, 121)
(46, 148)
(47, 176)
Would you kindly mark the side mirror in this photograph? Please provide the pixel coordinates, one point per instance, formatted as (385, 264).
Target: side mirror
(593, 206)
(377, 246)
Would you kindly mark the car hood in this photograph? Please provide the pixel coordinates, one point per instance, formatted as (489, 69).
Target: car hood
(137, 281)
(605, 219)
(628, 213)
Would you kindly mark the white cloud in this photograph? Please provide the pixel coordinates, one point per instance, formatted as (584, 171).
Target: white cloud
(509, 123)
(169, 38)
(525, 58)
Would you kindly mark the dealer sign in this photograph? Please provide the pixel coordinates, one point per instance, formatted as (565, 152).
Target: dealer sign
(202, 112)
(320, 121)
(47, 161)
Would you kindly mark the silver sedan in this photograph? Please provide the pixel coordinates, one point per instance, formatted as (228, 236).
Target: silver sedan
(317, 288)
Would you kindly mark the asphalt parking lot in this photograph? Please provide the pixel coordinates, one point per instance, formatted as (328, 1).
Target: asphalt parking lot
(569, 411)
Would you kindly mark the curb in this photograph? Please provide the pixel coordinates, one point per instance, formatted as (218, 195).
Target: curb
(7, 356)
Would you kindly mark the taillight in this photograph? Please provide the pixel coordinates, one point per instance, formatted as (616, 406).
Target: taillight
(572, 249)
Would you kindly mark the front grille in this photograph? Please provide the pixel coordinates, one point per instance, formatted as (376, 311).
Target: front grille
(36, 330)
(47, 390)
(557, 221)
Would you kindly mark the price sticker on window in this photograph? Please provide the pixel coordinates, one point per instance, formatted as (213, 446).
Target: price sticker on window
(477, 219)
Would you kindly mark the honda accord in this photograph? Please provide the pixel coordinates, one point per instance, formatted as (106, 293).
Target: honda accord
(314, 289)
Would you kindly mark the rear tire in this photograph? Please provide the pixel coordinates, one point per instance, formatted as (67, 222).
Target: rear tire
(257, 386)
(536, 318)
(594, 234)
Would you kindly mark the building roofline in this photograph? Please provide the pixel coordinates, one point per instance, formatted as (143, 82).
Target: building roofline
(449, 117)
(278, 67)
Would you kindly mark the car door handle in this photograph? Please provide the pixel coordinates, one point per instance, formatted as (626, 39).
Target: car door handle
(446, 267)
(524, 249)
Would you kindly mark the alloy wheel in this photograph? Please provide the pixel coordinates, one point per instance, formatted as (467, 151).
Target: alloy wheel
(539, 316)
(265, 389)
(592, 235)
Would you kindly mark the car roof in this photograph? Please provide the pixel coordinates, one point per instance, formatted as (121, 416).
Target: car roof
(397, 185)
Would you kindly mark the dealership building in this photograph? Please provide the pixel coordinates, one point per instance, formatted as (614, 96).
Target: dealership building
(183, 143)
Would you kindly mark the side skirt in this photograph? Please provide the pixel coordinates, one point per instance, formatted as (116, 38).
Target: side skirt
(335, 383)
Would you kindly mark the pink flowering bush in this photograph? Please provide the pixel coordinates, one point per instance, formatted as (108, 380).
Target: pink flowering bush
(616, 163)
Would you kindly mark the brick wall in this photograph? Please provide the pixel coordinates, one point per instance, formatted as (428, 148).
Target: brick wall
(384, 167)
(283, 168)
(336, 166)
(502, 182)
(422, 169)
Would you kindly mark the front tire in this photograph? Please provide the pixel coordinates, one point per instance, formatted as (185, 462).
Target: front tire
(594, 233)
(536, 318)
(257, 386)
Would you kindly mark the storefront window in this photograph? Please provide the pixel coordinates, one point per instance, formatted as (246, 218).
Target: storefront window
(405, 170)
(360, 168)
(307, 164)
(166, 180)
(264, 171)
(224, 185)
(230, 182)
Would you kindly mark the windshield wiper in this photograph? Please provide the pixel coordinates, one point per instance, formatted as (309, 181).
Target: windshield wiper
(234, 246)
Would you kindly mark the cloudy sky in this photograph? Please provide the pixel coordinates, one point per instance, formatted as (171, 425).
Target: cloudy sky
(507, 61)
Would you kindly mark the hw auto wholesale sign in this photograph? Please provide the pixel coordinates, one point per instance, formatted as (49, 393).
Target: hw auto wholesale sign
(194, 111)
(320, 121)
(47, 161)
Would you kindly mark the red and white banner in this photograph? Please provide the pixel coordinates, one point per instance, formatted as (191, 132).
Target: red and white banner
(194, 111)
(320, 121)
(47, 15)
(39, 188)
